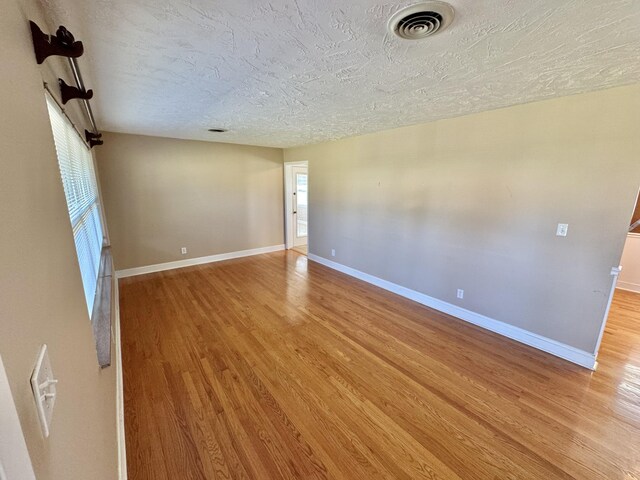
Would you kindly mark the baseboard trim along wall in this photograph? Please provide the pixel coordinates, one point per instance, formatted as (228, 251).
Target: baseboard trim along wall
(130, 272)
(122, 450)
(630, 287)
(566, 352)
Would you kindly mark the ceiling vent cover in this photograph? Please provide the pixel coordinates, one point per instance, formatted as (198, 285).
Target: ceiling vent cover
(421, 20)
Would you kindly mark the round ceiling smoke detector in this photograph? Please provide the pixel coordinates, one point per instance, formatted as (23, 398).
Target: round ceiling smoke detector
(421, 20)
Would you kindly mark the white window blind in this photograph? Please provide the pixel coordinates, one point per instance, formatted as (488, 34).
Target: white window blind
(80, 188)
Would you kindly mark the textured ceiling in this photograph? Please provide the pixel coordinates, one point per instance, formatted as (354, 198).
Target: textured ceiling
(292, 72)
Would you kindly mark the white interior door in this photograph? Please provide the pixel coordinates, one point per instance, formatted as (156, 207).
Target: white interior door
(300, 182)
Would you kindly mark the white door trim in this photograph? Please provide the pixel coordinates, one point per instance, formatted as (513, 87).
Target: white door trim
(288, 192)
(300, 213)
(14, 456)
(615, 273)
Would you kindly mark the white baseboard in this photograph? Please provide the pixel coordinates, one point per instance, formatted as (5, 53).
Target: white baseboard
(122, 449)
(630, 287)
(130, 272)
(567, 352)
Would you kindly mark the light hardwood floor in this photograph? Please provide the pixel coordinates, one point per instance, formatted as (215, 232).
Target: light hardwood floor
(301, 249)
(274, 367)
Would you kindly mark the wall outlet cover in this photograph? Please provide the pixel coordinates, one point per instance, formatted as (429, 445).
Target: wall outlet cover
(562, 229)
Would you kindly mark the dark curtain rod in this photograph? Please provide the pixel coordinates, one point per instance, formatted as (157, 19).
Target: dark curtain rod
(80, 84)
(64, 44)
(64, 112)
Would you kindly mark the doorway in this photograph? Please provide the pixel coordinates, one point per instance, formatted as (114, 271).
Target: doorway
(296, 183)
(624, 299)
(14, 456)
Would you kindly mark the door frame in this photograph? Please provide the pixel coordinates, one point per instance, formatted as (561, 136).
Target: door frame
(14, 456)
(288, 207)
(615, 274)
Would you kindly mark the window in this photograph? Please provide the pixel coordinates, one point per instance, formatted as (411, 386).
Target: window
(81, 190)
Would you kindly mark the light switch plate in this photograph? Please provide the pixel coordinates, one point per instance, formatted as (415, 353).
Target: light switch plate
(43, 385)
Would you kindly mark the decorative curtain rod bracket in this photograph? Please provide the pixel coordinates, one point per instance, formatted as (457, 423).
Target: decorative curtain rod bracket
(67, 92)
(62, 44)
(93, 139)
(65, 45)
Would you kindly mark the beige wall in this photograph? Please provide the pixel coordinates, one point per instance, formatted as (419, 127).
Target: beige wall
(630, 275)
(473, 203)
(162, 194)
(41, 294)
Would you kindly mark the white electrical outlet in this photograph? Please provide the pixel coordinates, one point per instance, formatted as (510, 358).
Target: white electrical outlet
(460, 293)
(562, 229)
(183, 250)
(333, 252)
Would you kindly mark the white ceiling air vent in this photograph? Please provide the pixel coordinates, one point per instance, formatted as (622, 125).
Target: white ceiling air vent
(421, 20)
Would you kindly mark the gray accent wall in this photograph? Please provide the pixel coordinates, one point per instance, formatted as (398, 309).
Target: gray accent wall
(473, 203)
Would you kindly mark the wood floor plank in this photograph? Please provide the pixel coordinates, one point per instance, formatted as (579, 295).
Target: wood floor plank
(272, 367)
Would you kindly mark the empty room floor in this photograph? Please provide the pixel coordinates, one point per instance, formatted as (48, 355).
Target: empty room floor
(273, 367)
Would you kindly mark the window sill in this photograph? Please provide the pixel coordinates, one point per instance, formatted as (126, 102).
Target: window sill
(102, 309)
